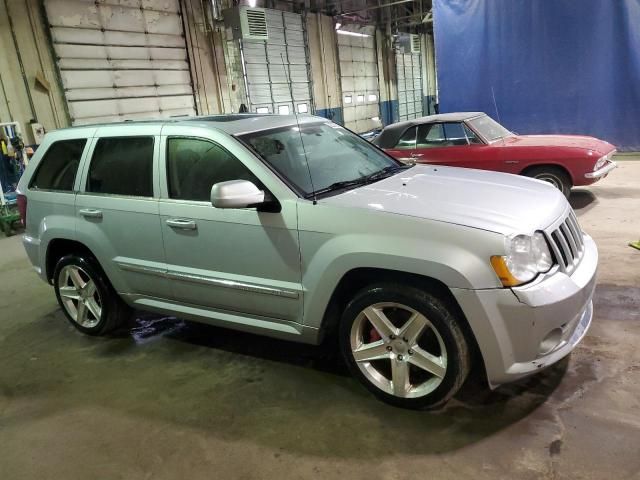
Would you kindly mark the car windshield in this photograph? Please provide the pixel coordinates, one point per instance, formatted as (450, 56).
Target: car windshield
(321, 157)
(489, 128)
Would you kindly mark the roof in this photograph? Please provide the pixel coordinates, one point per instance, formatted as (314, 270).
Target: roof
(392, 133)
(232, 124)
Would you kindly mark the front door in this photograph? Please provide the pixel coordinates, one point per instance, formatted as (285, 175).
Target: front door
(228, 260)
(117, 209)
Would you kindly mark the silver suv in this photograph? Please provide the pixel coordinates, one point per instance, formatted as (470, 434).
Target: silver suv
(298, 229)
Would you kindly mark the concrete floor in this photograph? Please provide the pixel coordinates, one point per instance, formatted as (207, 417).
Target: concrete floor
(168, 399)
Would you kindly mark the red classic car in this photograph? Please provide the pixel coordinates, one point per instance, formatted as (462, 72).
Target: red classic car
(475, 140)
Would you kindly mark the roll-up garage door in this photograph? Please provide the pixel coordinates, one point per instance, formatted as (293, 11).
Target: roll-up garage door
(121, 59)
(409, 74)
(359, 81)
(271, 64)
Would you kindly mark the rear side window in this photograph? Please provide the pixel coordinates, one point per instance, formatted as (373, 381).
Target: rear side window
(58, 167)
(122, 166)
(195, 165)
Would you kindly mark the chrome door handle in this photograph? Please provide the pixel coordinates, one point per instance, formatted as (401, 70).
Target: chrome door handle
(182, 223)
(417, 155)
(90, 213)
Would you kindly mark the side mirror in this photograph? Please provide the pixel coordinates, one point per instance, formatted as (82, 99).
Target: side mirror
(236, 194)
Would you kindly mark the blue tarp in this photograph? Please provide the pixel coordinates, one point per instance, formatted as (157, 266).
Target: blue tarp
(555, 66)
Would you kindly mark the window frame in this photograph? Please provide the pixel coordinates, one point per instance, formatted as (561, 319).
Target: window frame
(164, 172)
(91, 154)
(415, 139)
(79, 170)
(462, 123)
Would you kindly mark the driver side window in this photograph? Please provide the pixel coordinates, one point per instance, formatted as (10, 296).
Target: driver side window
(195, 165)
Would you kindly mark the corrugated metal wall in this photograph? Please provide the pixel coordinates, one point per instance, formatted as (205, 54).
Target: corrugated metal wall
(121, 60)
(278, 67)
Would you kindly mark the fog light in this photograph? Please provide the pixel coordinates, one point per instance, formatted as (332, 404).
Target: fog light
(550, 342)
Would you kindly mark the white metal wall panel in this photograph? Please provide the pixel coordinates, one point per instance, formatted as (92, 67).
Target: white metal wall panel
(359, 81)
(409, 75)
(270, 65)
(121, 59)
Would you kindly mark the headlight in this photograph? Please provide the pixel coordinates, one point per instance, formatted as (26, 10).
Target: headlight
(602, 160)
(526, 257)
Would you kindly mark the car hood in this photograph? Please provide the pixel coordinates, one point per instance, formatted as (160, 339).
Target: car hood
(497, 202)
(571, 141)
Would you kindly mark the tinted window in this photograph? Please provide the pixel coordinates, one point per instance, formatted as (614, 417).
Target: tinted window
(122, 166)
(58, 167)
(408, 139)
(194, 166)
(441, 135)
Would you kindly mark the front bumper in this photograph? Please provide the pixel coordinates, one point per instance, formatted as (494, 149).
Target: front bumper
(601, 172)
(525, 329)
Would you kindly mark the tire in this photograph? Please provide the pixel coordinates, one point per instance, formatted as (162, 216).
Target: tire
(553, 175)
(79, 280)
(409, 323)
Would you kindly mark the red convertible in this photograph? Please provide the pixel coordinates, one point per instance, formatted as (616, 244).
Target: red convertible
(475, 140)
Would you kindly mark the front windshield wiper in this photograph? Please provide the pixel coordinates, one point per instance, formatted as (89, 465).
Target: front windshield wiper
(374, 177)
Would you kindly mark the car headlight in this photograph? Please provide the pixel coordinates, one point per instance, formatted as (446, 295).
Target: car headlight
(600, 163)
(526, 257)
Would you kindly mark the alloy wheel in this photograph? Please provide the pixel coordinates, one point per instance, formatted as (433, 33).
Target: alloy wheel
(79, 296)
(398, 350)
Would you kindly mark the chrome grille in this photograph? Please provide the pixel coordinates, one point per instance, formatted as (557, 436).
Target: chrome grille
(567, 243)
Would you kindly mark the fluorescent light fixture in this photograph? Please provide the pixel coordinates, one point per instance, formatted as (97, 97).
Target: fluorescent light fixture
(262, 110)
(353, 34)
(283, 110)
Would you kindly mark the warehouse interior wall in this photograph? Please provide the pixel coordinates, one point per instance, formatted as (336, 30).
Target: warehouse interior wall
(429, 83)
(541, 67)
(387, 77)
(29, 85)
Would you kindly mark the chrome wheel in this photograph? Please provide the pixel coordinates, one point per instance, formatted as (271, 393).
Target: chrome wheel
(79, 296)
(398, 350)
(551, 178)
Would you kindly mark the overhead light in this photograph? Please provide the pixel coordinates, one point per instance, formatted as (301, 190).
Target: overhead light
(252, 3)
(338, 25)
(353, 34)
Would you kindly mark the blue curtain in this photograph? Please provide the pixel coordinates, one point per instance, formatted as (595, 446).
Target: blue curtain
(553, 66)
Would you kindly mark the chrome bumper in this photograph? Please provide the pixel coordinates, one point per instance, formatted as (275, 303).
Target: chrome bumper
(601, 172)
(524, 329)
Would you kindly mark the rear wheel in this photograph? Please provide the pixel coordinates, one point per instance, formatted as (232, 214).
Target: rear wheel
(86, 296)
(553, 175)
(404, 345)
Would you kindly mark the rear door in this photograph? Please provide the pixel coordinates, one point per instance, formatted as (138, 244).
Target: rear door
(226, 260)
(117, 209)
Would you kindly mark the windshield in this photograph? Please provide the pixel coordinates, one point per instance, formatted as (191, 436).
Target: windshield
(331, 158)
(489, 128)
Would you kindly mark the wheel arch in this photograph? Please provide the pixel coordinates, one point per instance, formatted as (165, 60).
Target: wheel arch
(550, 164)
(358, 278)
(60, 247)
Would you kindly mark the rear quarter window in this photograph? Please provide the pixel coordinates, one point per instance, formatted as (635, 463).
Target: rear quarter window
(59, 165)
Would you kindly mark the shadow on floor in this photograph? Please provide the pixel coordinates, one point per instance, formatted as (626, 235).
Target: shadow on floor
(243, 387)
(582, 200)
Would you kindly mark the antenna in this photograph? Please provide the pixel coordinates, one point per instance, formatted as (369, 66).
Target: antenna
(495, 105)
(295, 113)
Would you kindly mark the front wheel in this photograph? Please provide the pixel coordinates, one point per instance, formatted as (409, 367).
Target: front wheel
(404, 345)
(553, 175)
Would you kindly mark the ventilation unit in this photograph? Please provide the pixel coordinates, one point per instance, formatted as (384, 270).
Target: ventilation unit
(247, 23)
(408, 43)
(415, 43)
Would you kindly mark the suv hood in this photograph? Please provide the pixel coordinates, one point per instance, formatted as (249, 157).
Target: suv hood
(498, 202)
(572, 141)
